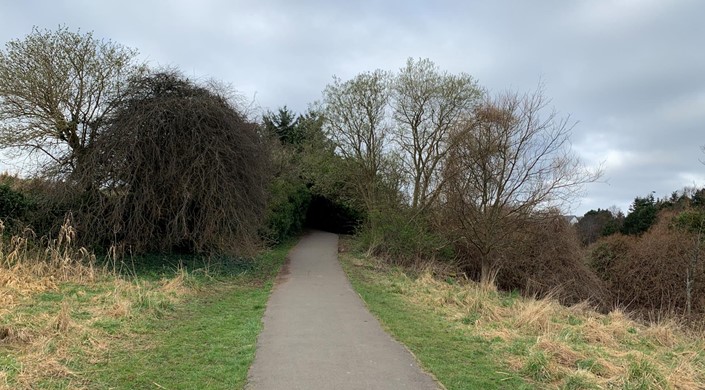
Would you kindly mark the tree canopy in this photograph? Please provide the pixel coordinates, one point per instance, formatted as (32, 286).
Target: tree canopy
(284, 125)
(428, 106)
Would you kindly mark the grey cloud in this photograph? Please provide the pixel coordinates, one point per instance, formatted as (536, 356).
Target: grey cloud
(631, 73)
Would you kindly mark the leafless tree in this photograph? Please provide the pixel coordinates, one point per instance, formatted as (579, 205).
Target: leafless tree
(691, 225)
(692, 266)
(511, 161)
(356, 120)
(428, 105)
(179, 167)
(56, 89)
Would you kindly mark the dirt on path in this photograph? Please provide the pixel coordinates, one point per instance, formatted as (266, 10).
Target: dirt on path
(319, 335)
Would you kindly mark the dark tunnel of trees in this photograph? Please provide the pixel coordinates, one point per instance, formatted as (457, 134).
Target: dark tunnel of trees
(324, 214)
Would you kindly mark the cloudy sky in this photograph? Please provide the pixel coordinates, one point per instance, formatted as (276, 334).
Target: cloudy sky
(631, 73)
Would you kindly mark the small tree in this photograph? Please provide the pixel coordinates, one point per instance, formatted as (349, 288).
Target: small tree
(598, 223)
(509, 163)
(180, 167)
(56, 89)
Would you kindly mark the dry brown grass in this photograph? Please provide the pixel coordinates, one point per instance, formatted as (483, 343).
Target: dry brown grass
(54, 302)
(580, 344)
(534, 314)
(176, 286)
(453, 302)
(44, 343)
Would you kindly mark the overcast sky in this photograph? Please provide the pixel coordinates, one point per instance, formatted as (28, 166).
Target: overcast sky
(631, 73)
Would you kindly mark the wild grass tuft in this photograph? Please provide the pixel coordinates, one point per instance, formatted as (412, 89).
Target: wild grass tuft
(537, 367)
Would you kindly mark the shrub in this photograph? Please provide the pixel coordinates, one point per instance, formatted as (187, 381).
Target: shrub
(14, 206)
(649, 273)
(543, 258)
(607, 252)
(402, 239)
(547, 259)
(38, 204)
(287, 211)
(179, 167)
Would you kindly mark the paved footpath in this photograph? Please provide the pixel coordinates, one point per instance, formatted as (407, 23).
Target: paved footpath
(319, 335)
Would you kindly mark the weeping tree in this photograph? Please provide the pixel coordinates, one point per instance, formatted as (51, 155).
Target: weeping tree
(180, 167)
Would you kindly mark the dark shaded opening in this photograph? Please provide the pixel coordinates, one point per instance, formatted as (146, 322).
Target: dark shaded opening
(324, 214)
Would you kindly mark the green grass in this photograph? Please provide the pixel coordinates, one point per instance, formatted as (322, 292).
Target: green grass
(456, 357)
(156, 322)
(206, 343)
(9, 367)
(536, 367)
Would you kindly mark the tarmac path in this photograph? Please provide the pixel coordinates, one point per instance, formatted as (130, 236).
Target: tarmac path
(319, 335)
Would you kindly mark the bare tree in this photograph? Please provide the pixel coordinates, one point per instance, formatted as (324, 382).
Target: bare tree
(356, 120)
(691, 224)
(510, 162)
(692, 266)
(428, 105)
(56, 88)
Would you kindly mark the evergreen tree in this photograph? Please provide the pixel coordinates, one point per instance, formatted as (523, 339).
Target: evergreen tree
(642, 214)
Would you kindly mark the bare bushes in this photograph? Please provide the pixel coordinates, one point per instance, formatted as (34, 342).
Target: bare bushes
(543, 258)
(507, 167)
(650, 273)
(546, 259)
(509, 162)
(179, 167)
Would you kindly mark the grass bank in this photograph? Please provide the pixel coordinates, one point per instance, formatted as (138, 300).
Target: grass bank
(472, 336)
(167, 323)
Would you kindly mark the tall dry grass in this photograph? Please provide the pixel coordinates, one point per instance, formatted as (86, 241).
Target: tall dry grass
(557, 346)
(59, 309)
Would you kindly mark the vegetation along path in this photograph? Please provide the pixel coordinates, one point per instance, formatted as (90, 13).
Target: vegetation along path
(319, 335)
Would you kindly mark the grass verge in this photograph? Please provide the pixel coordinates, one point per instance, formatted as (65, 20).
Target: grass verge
(175, 326)
(472, 336)
(457, 357)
